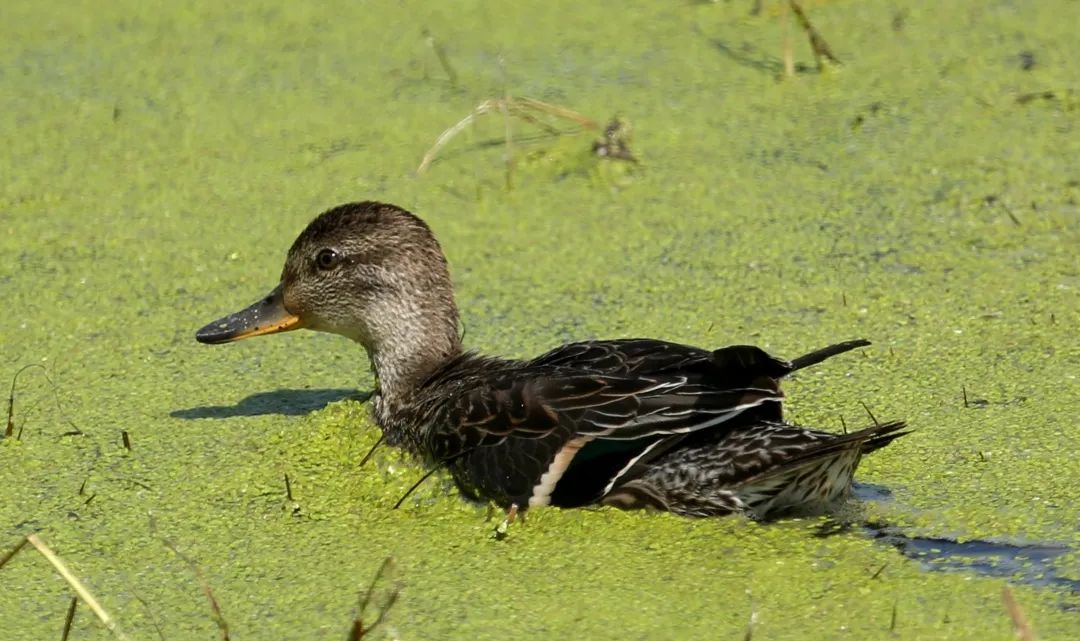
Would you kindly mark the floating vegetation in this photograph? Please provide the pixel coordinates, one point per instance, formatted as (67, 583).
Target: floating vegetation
(552, 121)
(616, 141)
(529, 110)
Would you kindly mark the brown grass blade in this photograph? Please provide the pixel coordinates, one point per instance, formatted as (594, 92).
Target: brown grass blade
(78, 586)
(1020, 623)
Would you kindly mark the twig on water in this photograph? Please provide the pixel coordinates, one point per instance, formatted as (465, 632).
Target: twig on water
(358, 630)
(219, 618)
(76, 585)
(994, 199)
(15, 550)
(440, 54)
(294, 505)
(817, 43)
(412, 488)
(70, 618)
(1020, 623)
(374, 447)
(750, 621)
(526, 109)
(150, 613)
(427, 475)
(10, 430)
(869, 413)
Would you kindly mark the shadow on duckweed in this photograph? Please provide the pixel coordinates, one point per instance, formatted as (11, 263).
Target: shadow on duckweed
(1029, 563)
(288, 402)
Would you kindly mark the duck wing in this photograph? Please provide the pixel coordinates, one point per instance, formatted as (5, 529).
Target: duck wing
(512, 429)
(511, 436)
(644, 356)
(733, 366)
(613, 390)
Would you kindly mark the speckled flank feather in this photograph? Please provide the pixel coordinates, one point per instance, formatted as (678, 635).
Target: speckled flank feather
(762, 470)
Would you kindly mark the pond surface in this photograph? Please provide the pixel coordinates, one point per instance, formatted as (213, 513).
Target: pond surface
(158, 162)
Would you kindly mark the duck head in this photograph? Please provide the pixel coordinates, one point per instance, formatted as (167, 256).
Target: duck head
(369, 271)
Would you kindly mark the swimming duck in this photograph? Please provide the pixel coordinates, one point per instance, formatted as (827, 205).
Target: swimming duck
(632, 423)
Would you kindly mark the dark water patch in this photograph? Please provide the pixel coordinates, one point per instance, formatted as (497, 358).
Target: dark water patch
(1025, 562)
(288, 402)
(1028, 563)
(871, 492)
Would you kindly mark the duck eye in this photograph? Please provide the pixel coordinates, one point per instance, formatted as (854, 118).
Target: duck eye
(327, 259)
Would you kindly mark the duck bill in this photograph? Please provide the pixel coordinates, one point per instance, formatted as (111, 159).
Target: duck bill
(267, 316)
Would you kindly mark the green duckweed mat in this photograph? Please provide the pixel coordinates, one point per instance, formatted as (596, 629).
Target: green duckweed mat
(158, 160)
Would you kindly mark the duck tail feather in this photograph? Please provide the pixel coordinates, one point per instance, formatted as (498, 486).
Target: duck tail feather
(815, 357)
(810, 481)
(867, 440)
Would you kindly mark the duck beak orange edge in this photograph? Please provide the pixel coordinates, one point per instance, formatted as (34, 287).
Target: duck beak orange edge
(267, 316)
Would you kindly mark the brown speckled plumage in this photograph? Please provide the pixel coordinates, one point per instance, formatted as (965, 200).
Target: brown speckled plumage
(631, 423)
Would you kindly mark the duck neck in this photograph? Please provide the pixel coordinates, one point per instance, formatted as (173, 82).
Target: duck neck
(410, 352)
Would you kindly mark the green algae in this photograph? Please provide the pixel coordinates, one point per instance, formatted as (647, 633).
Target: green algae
(159, 162)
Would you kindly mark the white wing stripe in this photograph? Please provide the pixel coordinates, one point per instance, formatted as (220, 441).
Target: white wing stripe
(623, 431)
(607, 488)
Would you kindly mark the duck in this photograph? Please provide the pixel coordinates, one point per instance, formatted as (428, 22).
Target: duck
(633, 423)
